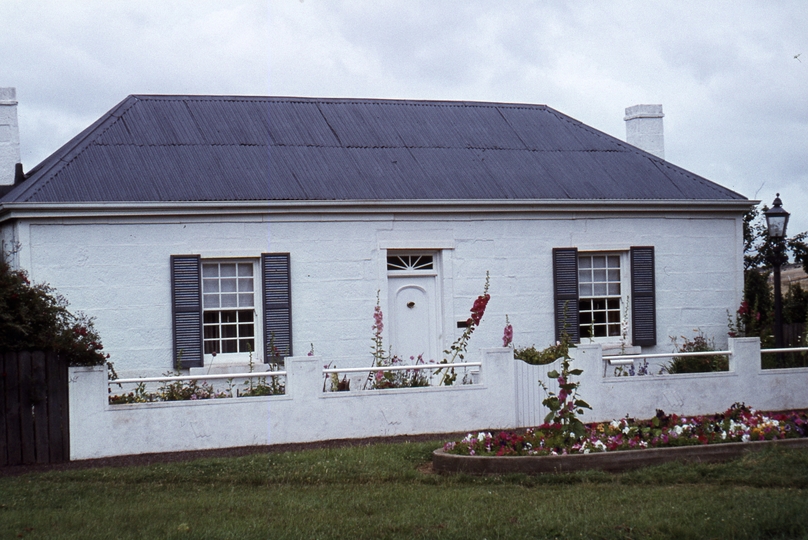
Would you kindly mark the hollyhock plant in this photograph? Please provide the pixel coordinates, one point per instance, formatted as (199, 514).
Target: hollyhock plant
(458, 349)
(507, 334)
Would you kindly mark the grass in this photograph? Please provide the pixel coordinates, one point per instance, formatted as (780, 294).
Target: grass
(384, 491)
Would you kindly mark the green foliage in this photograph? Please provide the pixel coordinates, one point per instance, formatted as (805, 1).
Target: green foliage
(795, 305)
(566, 405)
(35, 317)
(536, 357)
(695, 364)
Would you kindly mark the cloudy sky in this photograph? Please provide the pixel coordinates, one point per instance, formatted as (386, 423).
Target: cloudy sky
(731, 75)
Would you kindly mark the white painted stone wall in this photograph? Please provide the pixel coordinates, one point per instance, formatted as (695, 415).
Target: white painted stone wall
(684, 394)
(505, 396)
(305, 413)
(117, 270)
(9, 135)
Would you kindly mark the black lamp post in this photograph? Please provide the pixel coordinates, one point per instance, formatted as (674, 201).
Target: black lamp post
(776, 223)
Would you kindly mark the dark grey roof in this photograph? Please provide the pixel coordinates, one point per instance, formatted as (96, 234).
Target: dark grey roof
(217, 148)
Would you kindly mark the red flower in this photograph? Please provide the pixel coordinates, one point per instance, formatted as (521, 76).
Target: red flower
(478, 309)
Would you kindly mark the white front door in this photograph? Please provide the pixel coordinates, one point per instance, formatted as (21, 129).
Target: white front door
(413, 317)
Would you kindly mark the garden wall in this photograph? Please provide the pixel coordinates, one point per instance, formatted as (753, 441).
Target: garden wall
(505, 395)
(685, 394)
(305, 413)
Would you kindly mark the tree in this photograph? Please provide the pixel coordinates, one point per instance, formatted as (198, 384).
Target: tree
(755, 315)
(35, 317)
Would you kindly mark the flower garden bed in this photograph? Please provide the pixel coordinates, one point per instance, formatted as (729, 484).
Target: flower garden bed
(625, 444)
(606, 461)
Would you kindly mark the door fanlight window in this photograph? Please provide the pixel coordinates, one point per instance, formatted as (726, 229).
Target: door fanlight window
(410, 263)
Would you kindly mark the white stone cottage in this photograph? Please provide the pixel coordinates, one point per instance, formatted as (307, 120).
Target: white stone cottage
(194, 225)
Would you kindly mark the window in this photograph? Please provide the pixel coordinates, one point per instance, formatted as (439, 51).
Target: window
(406, 262)
(228, 304)
(231, 307)
(599, 300)
(589, 289)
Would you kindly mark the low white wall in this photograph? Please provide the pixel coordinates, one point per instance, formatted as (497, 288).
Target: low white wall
(305, 413)
(506, 396)
(685, 394)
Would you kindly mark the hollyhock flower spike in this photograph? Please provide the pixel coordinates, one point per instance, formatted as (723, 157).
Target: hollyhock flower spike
(507, 335)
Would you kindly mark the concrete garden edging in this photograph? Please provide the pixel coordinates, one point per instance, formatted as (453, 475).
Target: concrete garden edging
(619, 461)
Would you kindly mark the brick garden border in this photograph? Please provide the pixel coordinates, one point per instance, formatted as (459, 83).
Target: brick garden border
(619, 461)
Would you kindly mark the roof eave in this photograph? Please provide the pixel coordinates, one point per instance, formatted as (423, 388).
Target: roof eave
(14, 210)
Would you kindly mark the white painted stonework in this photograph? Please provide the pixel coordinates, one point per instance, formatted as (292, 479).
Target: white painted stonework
(506, 395)
(9, 135)
(117, 269)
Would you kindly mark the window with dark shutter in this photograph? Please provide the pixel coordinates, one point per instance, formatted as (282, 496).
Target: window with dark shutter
(565, 289)
(277, 303)
(643, 296)
(186, 307)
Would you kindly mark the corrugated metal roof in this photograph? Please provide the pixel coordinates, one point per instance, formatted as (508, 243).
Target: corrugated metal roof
(216, 148)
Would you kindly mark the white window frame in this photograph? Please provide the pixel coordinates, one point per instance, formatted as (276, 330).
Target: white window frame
(209, 291)
(623, 310)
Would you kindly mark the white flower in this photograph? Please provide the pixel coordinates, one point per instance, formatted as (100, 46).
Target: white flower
(745, 437)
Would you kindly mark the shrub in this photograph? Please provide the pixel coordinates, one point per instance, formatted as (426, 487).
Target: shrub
(695, 364)
(35, 317)
(536, 357)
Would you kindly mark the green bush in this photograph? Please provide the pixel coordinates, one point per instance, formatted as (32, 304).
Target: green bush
(695, 364)
(35, 317)
(536, 357)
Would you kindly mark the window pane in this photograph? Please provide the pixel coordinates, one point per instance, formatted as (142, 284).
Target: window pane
(599, 261)
(227, 269)
(246, 315)
(245, 285)
(211, 332)
(599, 289)
(614, 288)
(585, 262)
(584, 289)
(229, 316)
(246, 345)
(229, 345)
(228, 285)
(245, 300)
(210, 285)
(210, 300)
(614, 261)
(614, 275)
(229, 331)
(211, 347)
(246, 330)
(245, 269)
(210, 270)
(599, 275)
(229, 300)
(211, 317)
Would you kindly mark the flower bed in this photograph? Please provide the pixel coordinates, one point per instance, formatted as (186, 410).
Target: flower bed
(706, 438)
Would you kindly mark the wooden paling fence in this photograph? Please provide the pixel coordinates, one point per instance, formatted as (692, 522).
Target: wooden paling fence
(35, 422)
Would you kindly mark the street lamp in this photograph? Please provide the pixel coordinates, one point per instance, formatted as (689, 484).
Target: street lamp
(776, 223)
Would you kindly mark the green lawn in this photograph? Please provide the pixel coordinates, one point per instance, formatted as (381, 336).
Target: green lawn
(383, 491)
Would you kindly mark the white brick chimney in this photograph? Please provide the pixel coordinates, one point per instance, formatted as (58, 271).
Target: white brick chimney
(9, 136)
(644, 128)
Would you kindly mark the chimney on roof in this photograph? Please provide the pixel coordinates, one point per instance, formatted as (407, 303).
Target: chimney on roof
(9, 137)
(644, 129)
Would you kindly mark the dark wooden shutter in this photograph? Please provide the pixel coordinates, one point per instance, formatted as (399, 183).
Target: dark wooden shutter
(186, 306)
(277, 293)
(643, 297)
(565, 286)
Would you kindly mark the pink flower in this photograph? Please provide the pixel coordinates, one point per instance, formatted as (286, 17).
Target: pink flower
(507, 336)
